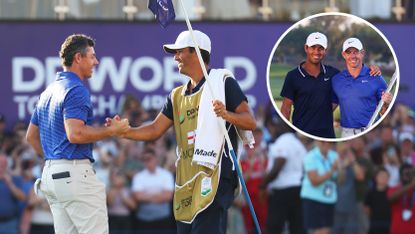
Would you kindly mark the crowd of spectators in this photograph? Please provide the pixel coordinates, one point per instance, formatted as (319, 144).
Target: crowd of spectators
(375, 178)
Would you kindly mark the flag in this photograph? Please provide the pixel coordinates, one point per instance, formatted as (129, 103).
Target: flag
(191, 136)
(163, 10)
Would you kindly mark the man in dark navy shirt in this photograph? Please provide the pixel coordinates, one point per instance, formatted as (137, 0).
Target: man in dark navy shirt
(60, 130)
(212, 219)
(308, 89)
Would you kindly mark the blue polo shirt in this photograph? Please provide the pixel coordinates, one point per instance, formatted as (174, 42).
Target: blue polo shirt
(314, 161)
(358, 97)
(312, 100)
(65, 98)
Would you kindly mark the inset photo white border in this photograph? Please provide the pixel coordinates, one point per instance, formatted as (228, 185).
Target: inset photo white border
(351, 19)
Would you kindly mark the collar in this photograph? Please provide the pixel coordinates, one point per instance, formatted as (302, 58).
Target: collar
(304, 73)
(363, 72)
(197, 87)
(67, 75)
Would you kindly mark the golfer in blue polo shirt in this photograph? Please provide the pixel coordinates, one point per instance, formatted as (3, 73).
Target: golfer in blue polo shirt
(356, 92)
(60, 130)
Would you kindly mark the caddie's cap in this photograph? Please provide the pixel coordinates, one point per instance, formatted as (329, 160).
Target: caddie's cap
(317, 38)
(185, 40)
(352, 42)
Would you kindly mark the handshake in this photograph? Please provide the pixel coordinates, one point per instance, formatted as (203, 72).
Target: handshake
(118, 126)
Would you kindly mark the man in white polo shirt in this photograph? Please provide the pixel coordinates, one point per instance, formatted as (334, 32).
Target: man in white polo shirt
(283, 180)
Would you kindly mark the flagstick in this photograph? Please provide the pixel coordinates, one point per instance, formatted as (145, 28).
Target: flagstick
(379, 107)
(222, 124)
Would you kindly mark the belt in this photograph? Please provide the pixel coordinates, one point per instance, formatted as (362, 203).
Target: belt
(67, 161)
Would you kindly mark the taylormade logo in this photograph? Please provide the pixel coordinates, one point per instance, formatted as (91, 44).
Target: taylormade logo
(202, 152)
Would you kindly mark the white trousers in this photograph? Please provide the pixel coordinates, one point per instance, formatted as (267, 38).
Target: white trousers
(346, 132)
(76, 197)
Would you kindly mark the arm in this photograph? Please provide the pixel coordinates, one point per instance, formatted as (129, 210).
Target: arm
(128, 201)
(317, 179)
(286, 107)
(152, 131)
(387, 99)
(80, 133)
(242, 117)
(374, 70)
(33, 137)
(395, 196)
(162, 196)
(275, 170)
(359, 171)
(16, 191)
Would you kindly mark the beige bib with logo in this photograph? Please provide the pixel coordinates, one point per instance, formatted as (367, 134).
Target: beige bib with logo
(196, 186)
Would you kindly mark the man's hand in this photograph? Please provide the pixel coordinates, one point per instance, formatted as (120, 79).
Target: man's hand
(374, 70)
(108, 121)
(219, 109)
(118, 125)
(6, 178)
(386, 98)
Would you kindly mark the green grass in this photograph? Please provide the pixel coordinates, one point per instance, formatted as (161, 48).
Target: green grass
(276, 78)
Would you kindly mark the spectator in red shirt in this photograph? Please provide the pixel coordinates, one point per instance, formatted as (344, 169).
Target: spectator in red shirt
(402, 198)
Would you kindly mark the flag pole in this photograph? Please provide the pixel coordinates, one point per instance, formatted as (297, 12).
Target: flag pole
(379, 107)
(222, 124)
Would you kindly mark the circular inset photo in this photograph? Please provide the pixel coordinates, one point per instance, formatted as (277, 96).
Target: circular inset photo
(333, 76)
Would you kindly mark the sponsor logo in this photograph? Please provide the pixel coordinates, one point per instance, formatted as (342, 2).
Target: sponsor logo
(365, 81)
(206, 186)
(184, 203)
(326, 78)
(191, 137)
(202, 152)
(187, 154)
(192, 113)
(181, 118)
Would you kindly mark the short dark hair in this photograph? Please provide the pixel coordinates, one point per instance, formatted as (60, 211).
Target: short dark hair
(205, 54)
(73, 44)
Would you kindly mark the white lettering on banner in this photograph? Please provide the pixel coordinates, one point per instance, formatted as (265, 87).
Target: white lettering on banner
(242, 62)
(106, 104)
(107, 67)
(164, 74)
(151, 84)
(18, 66)
(53, 65)
(103, 105)
(25, 104)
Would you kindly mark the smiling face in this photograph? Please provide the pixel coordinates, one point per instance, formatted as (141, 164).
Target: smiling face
(353, 57)
(87, 62)
(315, 53)
(186, 60)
